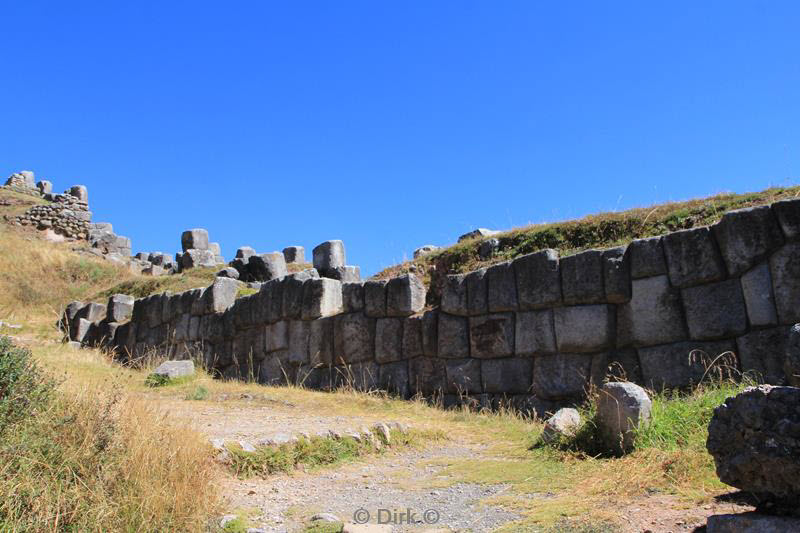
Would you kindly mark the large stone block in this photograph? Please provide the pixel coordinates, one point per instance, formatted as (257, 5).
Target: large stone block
(791, 362)
(584, 328)
(758, 296)
(490, 336)
(746, 236)
(463, 376)
(393, 378)
(762, 354)
(751, 522)
(362, 376)
(375, 298)
(245, 252)
(507, 376)
(405, 295)
(221, 295)
(353, 338)
(692, 257)
(538, 277)
(353, 297)
(715, 311)
(388, 340)
(321, 297)
(78, 191)
(345, 274)
(617, 275)
(276, 336)
(264, 267)
(320, 341)
(561, 376)
(298, 342)
(293, 295)
(453, 336)
(427, 376)
(194, 239)
(430, 333)
(93, 312)
(582, 278)
(477, 292)
(647, 258)
(194, 258)
(784, 266)
(270, 300)
(788, 214)
(328, 255)
(412, 337)
(653, 315)
(621, 409)
(535, 333)
(294, 254)
(273, 371)
(620, 365)
(454, 295)
(683, 364)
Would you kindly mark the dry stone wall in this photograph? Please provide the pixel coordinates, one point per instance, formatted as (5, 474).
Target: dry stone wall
(535, 331)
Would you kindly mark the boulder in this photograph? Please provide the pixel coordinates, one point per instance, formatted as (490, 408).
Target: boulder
(195, 239)
(647, 258)
(294, 254)
(264, 267)
(45, 187)
(753, 438)
(120, 308)
(564, 422)
(751, 523)
(692, 257)
(174, 369)
(78, 191)
(621, 408)
(328, 255)
(228, 272)
(195, 258)
(746, 236)
(405, 295)
(424, 250)
(480, 232)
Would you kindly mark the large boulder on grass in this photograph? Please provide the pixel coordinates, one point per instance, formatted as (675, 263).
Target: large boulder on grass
(174, 369)
(564, 422)
(621, 408)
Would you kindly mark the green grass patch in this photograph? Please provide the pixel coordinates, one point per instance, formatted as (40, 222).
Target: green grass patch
(324, 527)
(245, 291)
(198, 393)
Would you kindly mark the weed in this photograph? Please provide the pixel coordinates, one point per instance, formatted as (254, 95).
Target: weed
(198, 393)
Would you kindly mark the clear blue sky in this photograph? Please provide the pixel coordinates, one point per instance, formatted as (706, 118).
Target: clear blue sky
(393, 124)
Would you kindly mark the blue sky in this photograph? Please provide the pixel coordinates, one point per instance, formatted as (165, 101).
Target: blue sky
(391, 125)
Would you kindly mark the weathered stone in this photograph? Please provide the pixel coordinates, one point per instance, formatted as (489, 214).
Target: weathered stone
(617, 275)
(320, 341)
(564, 422)
(388, 340)
(345, 274)
(692, 257)
(197, 259)
(682, 364)
(405, 295)
(561, 376)
(622, 365)
(454, 295)
(120, 308)
(453, 336)
(293, 295)
(228, 272)
(294, 254)
(715, 310)
(277, 336)
(535, 333)
(321, 297)
(653, 315)
(174, 369)
(426, 376)
(758, 298)
(791, 363)
(430, 333)
(221, 295)
(393, 377)
(785, 269)
(538, 278)
(751, 523)
(488, 248)
(78, 191)
(44, 186)
(352, 297)
(788, 214)
(298, 342)
(584, 328)
(353, 338)
(507, 376)
(463, 376)
(272, 295)
(328, 255)
(264, 267)
(361, 376)
(501, 287)
(762, 354)
(412, 337)
(93, 312)
(490, 336)
(480, 232)
(746, 236)
(375, 298)
(477, 292)
(245, 252)
(82, 327)
(153, 270)
(647, 258)
(194, 239)
(582, 278)
(621, 409)
(753, 438)
(273, 371)
(424, 250)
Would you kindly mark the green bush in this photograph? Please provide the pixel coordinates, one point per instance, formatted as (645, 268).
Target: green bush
(24, 388)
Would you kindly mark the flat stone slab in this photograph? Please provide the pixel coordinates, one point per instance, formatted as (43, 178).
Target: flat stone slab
(174, 369)
(751, 523)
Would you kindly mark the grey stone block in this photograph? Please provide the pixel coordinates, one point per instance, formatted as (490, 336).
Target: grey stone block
(751, 522)
(424, 250)
(491, 336)
(93, 312)
(353, 338)
(393, 377)
(405, 295)
(388, 340)
(746, 236)
(329, 254)
(762, 354)
(321, 297)
(692, 257)
(788, 214)
(120, 307)
(681, 364)
(44, 186)
(194, 239)
(194, 258)
(375, 298)
(294, 254)
(617, 275)
(463, 376)
(320, 341)
(427, 376)
(622, 365)
(430, 333)
(653, 316)
(271, 300)
(507, 376)
(228, 272)
(353, 297)
(298, 342)
(538, 278)
(214, 248)
(264, 267)
(715, 311)
(78, 191)
(582, 278)
(194, 328)
(174, 369)
(477, 292)
(363, 376)
(82, 331)
(784, 266)
(412, 337)
(791, 362)
(561, 376)
(535, 333)
(453, 336)
(584, 328)
(245, 252)
(272, 371)
(182, 328)
(758, 298)
(345, 274)
(221, 295)
(501, 287)
(454, 295)
(276, 336)
(621, 408)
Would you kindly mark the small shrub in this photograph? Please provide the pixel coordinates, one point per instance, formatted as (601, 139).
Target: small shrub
(157, 380)
(24, 389)
(199, 393)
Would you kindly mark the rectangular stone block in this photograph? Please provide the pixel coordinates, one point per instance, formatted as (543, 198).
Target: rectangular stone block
(681, 364)
(454, 295)
(715, 311)
(784, 265)
(427, 376)
(412, 337)
(453, 336)
(758, 298)
(617, 275)
(491, 336)
(273, 371)
(584, 328)
(375, 298)
(352, 297)
(196, 239)
(788, 215)
(277, 336)
(154, 309)
(502, 288)
(538, 277)
(477, 292)
(320, 341)
(354, 338)
(182, 328)
(535, 333)
(393, 378)
(388, 340)
(692, 257)
(119, 308)
(582, 278)
(363, 376)
(321, 297)
(507, 376)
(762, 353)
(561, 376)
(463, 376)
(647, 258)
(293, 293)
(623, 365)
(653, 316)
(430, 333)
(94, 312)
(298, 342)
(405, 295)
(194, 328)
(746, 236)
(273, 290)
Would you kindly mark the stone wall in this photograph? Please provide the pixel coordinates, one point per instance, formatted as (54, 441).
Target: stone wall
(535, 331)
